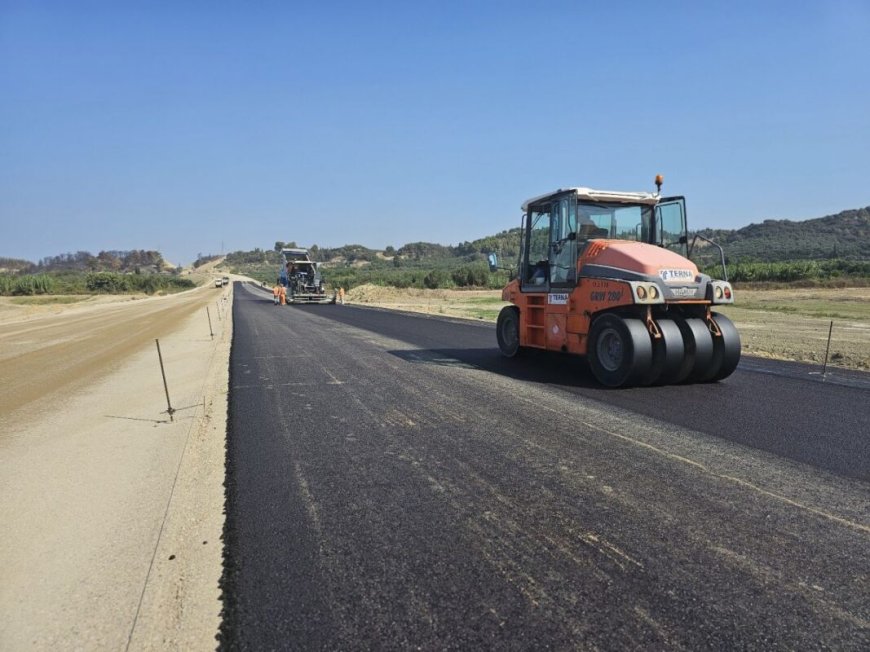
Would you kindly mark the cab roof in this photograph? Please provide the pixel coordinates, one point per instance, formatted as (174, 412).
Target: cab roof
(598, 196)
(295, 254)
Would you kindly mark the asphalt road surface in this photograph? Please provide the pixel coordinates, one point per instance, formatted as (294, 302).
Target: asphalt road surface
(394, 483)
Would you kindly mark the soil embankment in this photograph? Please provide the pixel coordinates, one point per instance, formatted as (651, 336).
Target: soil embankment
(112, 510)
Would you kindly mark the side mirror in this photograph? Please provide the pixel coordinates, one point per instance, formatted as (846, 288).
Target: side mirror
(493, 262)
(571, 236)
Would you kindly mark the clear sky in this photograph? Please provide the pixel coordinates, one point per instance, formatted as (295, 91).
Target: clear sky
(196, 127)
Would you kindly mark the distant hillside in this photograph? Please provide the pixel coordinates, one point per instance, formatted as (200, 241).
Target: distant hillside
(137, 260)
(415, 254)
(13, 265)
(832, 247)
(845, 235)
(506, 244)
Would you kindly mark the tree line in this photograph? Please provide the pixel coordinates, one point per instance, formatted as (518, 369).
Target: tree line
(84, 261)
(115, 272)
(416, 264)
(74, 282)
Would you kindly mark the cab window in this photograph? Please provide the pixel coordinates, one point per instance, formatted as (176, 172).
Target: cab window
(537, 258)
(619, 221)
(671, 226)
(563, 243)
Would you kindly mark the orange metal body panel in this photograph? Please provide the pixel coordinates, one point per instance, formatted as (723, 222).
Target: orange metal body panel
(635, 256)
(556, 334)
(564, 326)
(595, 295)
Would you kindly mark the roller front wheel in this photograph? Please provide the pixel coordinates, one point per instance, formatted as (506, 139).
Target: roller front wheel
(619, 350)
(507, 331)
(726, 349)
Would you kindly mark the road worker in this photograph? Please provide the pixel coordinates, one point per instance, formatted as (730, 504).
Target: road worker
(283, 295)
(341, 296)
(276, 292)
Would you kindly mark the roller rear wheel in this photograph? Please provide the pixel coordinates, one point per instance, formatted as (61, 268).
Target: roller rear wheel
(620, 350)
(668, 354)
(698, 357)
(507, 331)
(726, 349)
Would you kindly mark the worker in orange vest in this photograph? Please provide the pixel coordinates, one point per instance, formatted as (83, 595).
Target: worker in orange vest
(341, 296)
(276, 293)
(283, 295)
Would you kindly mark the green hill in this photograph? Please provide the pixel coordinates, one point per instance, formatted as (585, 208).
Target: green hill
(845, 235)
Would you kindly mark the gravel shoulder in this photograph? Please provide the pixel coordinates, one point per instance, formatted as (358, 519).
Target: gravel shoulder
(112, 510)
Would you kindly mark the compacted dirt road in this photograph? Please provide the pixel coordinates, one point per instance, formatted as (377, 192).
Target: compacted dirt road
(112, 508)
(68, 350)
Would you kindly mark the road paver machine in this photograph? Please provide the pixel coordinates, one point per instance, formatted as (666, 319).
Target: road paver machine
(302, 279)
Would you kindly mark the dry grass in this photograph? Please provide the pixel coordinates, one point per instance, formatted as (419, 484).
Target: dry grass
(466, 304)
(48, 299)
(794, 324)
(787, 324)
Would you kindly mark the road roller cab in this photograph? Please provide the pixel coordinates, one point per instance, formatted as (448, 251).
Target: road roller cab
(607, 275)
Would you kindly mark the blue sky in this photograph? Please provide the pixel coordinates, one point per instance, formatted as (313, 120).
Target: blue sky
(192, 127)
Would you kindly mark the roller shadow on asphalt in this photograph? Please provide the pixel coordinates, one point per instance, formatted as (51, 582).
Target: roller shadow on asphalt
(532, 366)
(555, 368)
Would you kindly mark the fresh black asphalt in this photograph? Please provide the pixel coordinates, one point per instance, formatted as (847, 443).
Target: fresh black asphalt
(394, 483)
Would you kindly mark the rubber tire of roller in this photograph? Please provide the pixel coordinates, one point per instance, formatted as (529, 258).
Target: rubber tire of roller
(698, 344)
(726, 349)
(507, 331)
(668, 354)
(619, 351)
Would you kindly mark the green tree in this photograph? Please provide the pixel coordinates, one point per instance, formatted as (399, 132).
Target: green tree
(435, 279)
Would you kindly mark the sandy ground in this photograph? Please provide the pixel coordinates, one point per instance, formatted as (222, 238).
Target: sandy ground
(112, 512)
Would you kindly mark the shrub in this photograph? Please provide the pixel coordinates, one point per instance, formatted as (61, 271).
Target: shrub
(107, 283)
(27, 284)
(435, 279)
